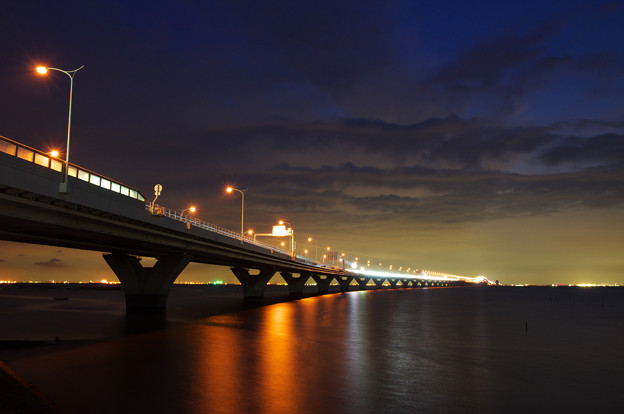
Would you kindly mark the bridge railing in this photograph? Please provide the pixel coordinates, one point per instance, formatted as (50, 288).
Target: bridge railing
(27, 153)
(191, 221)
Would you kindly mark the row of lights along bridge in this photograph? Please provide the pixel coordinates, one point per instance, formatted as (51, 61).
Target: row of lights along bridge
(279, 230)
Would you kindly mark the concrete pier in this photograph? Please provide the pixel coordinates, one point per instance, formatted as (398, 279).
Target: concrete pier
(362, 281)
(146, 288)
(344, 282)
(322, 282)
(295, 284)
(379, 281)
(253, 285)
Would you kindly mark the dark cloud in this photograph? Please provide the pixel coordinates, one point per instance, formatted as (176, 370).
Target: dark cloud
(451, 142)
(52, 263)
(356, 195)
(158, 70)
(354, 171)
(440, 171)
(604, 150)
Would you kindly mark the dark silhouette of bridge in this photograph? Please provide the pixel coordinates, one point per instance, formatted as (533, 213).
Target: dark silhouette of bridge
(104, 215)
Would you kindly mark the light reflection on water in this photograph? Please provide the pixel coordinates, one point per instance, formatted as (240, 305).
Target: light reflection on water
(424, 350)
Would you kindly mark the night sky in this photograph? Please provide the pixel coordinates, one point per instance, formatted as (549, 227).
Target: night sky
(473, 138)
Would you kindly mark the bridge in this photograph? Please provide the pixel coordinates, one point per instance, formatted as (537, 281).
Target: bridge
(104, 215)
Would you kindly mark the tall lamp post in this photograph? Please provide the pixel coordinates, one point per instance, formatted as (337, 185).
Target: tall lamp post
(64, 186)
(292, 237)
(229, 190)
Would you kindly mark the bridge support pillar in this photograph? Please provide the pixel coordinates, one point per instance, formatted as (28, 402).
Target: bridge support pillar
(253, 285)
(322, 282)
(404, 282)
(362, 282)
(393, 282)
(344, 282)
(146, 288)
(379, 282)
(295, 284)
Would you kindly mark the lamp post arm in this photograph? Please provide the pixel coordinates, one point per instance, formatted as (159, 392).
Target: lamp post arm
(71, 74)
(242, 213)
(242, 210)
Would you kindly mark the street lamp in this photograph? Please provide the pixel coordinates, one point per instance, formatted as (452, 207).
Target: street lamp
(64, 186)
(192, 209)
(310, 240)
(333, 256)
(229, 190)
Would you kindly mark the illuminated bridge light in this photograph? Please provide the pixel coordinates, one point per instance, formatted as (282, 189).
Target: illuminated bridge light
(49, 161)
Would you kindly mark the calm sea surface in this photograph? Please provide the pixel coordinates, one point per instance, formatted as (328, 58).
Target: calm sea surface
(444, 350)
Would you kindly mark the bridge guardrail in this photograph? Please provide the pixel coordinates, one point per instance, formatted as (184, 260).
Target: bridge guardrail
(175, 215)
(13, 148)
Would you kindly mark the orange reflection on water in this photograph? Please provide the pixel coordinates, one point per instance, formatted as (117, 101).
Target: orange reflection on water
(268, 360)
(279, 361)
(222, 371)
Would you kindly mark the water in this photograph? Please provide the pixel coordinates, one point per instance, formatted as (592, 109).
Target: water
(439, 350)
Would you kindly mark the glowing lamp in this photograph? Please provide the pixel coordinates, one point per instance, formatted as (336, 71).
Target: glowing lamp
(54, 153)
(231, 190)
(42, 70)
(280, 231)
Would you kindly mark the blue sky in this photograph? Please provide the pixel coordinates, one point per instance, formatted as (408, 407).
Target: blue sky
(424, 133)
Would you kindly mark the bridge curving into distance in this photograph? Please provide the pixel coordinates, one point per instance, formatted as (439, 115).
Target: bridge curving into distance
(104, 215)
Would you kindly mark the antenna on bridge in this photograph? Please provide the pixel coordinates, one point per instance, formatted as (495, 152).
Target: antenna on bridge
(157, 190)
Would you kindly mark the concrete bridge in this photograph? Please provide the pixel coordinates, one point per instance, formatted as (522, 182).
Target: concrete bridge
(104, 215)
